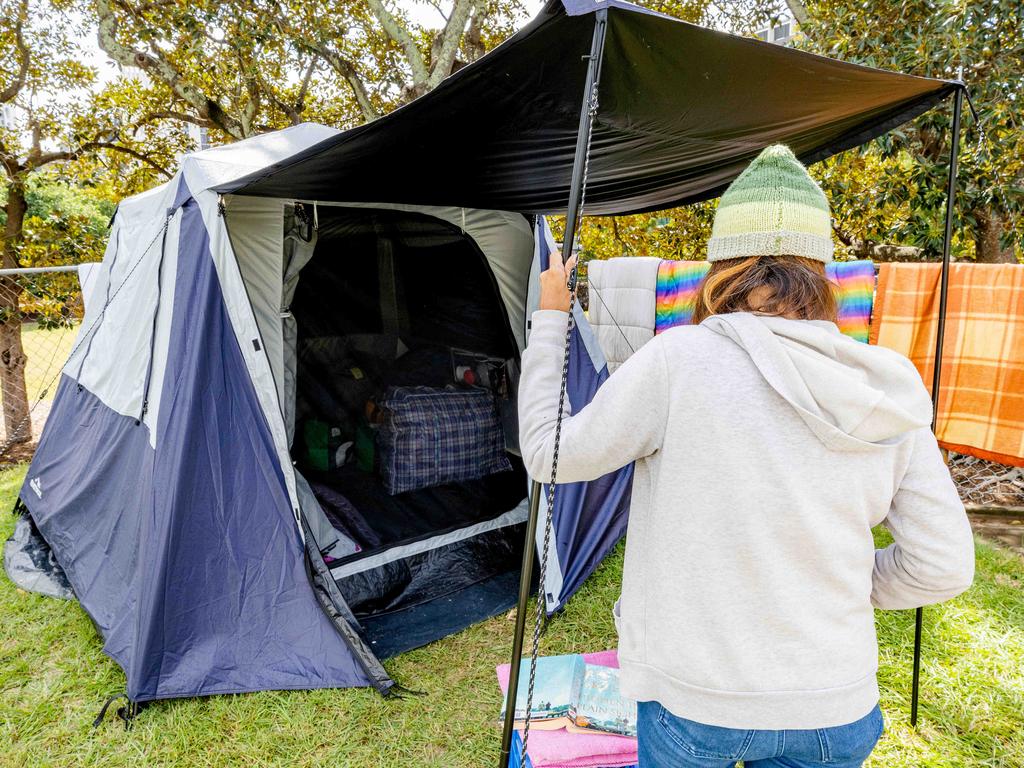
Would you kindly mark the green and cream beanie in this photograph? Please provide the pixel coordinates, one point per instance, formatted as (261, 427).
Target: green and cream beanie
(774, 208)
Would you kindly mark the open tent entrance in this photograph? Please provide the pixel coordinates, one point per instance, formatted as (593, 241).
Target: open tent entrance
(387, 301)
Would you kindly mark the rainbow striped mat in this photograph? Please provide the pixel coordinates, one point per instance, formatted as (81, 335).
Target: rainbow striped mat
(678, 281)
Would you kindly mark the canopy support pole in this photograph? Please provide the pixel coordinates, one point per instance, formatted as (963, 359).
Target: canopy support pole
(522, 609)
(572, 217)
(954, 154)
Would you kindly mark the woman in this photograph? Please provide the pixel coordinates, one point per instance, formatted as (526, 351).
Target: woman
(767, 446)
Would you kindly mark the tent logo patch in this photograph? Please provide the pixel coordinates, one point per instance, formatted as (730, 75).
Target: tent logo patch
(36, 486)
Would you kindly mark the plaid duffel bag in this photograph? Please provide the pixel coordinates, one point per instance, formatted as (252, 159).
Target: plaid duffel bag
(432, 436)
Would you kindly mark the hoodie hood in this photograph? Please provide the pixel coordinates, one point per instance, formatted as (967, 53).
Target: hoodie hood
(850, 394)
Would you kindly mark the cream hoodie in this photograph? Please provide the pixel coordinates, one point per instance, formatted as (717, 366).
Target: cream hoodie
(766, 449)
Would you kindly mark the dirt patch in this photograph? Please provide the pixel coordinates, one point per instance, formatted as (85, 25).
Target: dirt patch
(22, 452)
(1004, 580)
(1006, 530)
(16, 454)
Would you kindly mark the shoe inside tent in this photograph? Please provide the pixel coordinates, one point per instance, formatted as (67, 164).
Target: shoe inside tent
(212, 478)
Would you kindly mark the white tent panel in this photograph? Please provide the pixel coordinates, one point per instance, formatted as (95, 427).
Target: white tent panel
(113, 351)
(220, 165)
(88, 278)
(256, 228)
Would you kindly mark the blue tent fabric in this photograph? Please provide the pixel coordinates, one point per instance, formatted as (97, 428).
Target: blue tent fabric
(87, 514)
(589, 518)
(187, 556)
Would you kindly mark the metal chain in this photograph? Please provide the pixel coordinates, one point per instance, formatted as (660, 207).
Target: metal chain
(982, 151)
(545, 550)
(84, 335)
(550, 501)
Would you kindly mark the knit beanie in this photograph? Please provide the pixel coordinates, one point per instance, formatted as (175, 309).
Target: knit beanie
(774, 208)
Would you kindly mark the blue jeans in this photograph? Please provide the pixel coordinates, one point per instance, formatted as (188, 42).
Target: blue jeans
(667, 741)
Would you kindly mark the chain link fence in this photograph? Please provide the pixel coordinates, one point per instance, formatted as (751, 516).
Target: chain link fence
(40, 311)
(986, 483)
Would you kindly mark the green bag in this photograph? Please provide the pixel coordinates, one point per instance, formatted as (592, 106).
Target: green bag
(326, 446)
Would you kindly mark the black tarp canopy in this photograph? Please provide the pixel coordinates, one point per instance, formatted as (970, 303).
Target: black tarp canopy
(682, 110)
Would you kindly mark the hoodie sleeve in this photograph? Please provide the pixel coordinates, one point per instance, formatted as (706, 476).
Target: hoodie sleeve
(932, 557)
(625, 421)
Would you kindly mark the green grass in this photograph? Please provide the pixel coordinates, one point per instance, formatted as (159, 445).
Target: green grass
(54, 677)
(47, 350)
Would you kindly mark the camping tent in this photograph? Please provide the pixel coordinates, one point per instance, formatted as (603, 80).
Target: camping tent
(220, 330)
(164, 481)
(239, 295)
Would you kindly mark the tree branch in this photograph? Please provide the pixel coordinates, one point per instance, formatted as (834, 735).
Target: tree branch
(183, 117)
(347, 70)
(252, 106)
(437, 6)
(24, 58)
(451, 36)
(844, 237)
(393, 28)
(158, 65)
(52, 157)
(869, 249)
(300, 100)
(141, 157)
(9, 161)
(799, 11)
(472, 42)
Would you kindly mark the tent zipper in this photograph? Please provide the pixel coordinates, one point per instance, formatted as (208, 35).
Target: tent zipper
(156, 314)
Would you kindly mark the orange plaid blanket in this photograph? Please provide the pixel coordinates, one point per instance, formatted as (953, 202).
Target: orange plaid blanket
(981, 402)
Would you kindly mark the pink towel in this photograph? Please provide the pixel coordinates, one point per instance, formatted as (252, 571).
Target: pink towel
(561, 749)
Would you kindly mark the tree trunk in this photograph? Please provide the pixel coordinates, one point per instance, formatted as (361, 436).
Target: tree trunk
(13, 391)
(987, 248)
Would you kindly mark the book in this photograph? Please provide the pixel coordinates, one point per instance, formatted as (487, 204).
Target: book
(600, 706)
(571, 694)
(554, 689)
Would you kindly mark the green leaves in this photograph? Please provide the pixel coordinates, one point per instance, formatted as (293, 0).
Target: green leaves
(939, 38)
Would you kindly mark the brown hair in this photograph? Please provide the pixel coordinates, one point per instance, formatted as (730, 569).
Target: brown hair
(797, 287)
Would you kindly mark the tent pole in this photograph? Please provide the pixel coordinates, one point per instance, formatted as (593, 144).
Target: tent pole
(954, 154)
(572, 217)
(526, 576)
(579, 162)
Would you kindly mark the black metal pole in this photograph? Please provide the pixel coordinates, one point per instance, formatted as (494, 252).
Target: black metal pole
(525, 577)
(954, 154)
(579, 161)
(572, 216)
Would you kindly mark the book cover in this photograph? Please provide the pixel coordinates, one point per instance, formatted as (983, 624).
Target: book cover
(572, 694)
(558, 682)
(600, 706)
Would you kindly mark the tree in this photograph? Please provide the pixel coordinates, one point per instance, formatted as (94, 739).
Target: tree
(48, 120)
(888, 197)
(238, 68)
(894, 189)
(678, 233)
(65, 223)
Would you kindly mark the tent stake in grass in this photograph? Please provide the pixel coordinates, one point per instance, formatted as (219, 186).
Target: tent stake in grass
(954, 154)
(572, 216)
